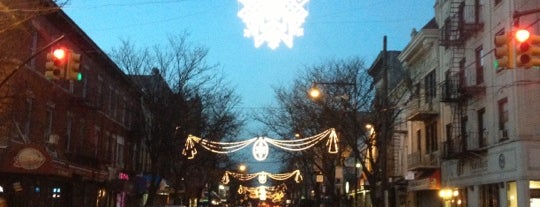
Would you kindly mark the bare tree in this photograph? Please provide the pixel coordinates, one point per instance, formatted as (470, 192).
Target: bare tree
(194, 99)
(15, 17)
(346, 105)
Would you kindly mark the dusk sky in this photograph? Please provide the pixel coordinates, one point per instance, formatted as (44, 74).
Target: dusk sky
(332, 30)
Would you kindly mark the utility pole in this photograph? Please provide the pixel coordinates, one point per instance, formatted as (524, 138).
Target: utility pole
(385, 125)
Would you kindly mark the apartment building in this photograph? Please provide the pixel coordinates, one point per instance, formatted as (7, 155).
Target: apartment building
(472, 127)
(421, 110)
(66, 142)
(489, 119)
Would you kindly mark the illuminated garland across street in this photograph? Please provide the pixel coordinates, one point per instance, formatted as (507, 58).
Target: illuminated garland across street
(276, 193)
(262, 176)
(260, 146)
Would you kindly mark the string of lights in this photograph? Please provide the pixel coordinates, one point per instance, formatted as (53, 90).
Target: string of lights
(262, 176)
(276, 193)
(260, 148)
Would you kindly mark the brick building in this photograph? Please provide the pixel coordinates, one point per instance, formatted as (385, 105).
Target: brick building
(66, 142)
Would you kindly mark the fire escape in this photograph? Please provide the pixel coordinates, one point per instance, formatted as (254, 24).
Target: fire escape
(462, 22)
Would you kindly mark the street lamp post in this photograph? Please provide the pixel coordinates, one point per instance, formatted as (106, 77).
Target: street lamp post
(315, 92)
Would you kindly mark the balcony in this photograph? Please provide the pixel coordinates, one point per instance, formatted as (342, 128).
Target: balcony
(472, 82)
(477, 141)
(454, 148)
(421, 161)
(462, 23)
(470, 18)
(421, 111)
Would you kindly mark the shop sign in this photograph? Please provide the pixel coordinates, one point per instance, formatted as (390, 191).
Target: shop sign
(29, 158)
(423, 184)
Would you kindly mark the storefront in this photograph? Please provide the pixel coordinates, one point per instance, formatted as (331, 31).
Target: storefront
(31, 177)
(424, 190)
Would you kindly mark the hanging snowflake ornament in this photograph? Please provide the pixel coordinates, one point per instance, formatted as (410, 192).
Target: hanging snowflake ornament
(273, 21)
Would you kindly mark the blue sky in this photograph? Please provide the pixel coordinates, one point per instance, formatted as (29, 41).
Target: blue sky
(333, 30)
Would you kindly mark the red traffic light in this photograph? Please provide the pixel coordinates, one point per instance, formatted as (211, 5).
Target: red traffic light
(522, 35)
(59, 53)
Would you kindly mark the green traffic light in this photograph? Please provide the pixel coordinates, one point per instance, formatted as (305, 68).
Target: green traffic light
(79, 76)
(496, 64)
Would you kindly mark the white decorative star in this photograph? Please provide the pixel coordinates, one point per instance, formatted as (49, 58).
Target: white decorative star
(273, 21)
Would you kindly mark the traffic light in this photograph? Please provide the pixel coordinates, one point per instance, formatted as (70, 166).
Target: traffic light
(528, 49)
(73, 66)
(504, 51)
(56, 64)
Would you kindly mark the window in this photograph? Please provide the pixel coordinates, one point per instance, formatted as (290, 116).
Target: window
(119, 151)
(28, 117)
(462, 80)
(449, 133)
(489, 195)
(481, 128)
(99, 93)
(479, 58)
(85, 81)
(69, 127)
(96, 139)
(82, 142)
(115, 105)
(463, 131)
(430, 86)
(109, 108)
(107, 146)
(48, 121)
(419, 141)
(503, 118)
(416, 90)
(123, 111)
(431, 137)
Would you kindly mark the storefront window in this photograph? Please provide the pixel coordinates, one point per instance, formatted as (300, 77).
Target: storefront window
(534, 188)
(511, 192)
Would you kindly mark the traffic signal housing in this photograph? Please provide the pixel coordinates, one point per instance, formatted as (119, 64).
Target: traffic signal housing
(56, 64)
(528, 49)
(73, 67)
(504, 51)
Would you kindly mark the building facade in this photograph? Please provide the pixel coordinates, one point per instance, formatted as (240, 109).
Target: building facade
(489, 119)
(388, 75)
(471, 122)
(421, 109)
(472, 126)
(67, 142)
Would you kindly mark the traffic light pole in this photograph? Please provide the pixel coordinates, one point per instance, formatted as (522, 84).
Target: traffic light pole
(518, 14)
(30, 58)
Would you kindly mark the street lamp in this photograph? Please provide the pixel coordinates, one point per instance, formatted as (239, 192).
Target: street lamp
(450, 197)
(242, 168)
(315, 93)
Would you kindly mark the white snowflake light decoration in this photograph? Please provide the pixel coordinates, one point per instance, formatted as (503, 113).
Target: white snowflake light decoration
(273, 21)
